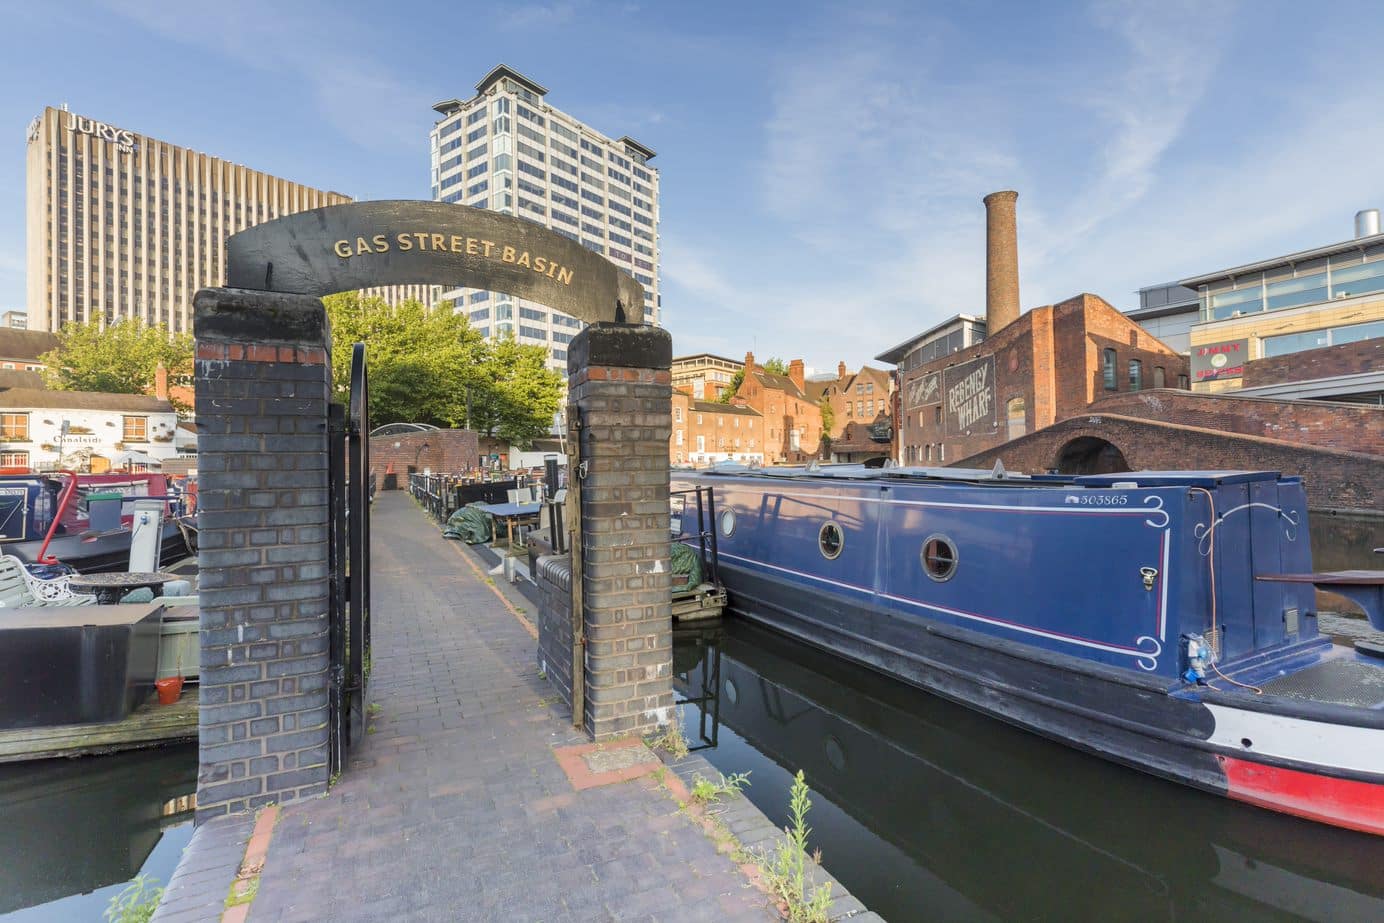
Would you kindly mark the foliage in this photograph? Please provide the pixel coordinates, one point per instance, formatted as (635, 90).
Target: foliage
(787, 873)
(828, 415)
(773, 366)
(136, 903)
(671, 740)
(431, 366)
(120, 358)
(706, 791)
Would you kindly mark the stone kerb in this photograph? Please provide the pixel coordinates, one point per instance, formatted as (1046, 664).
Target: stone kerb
(262, 382)
(619, 383)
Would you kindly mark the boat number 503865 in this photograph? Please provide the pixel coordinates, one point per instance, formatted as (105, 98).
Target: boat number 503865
(1098, 499)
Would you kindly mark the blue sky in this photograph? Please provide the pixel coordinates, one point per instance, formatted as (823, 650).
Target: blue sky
(822, 163)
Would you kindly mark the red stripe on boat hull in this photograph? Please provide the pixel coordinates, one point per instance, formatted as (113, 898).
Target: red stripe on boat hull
(1342, 802)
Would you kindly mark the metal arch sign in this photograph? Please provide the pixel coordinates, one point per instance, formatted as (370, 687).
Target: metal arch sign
(342, 248)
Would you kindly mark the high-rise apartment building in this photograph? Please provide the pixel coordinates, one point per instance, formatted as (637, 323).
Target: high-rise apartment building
(507, 150)
(121, 225)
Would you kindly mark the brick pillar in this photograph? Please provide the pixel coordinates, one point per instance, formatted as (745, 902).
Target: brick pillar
(263, 373)
(619, 385)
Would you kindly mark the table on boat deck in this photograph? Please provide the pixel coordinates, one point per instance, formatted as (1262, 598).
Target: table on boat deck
(110, 588)
(511, 513)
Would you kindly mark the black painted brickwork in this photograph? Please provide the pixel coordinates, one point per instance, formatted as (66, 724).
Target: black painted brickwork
(262, 470)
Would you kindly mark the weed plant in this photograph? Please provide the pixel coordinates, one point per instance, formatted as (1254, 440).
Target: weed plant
(787, 873)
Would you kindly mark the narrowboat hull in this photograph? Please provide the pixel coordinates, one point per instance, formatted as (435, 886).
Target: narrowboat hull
(1021, 663)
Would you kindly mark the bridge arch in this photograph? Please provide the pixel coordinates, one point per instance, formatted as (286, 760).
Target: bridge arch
(1089, 455)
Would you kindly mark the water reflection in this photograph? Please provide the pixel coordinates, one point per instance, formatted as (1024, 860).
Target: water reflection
(1344, 543)
(76, 826)
(926, 810)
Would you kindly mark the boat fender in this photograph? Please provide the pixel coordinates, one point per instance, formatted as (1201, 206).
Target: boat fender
(1198, 657)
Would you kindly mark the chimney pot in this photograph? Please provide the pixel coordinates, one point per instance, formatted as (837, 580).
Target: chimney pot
(840, 370)
(795, 373)
(1001, 261)
(161, 382)
(749, 363)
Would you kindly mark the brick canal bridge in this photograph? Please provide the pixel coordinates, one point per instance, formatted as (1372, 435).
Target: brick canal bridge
(1337, 448)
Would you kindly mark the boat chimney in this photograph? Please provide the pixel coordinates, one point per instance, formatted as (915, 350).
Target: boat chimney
(1367, 222)
(1001, 261)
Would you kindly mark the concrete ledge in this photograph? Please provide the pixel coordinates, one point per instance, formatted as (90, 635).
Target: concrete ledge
(626, 346)
(247, 316)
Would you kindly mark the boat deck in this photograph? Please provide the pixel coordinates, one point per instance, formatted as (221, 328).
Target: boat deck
(150, 725)
(1343, 682)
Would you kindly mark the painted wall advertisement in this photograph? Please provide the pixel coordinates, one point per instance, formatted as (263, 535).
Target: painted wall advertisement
(1220, 360)
(923, 391)
(968, 397)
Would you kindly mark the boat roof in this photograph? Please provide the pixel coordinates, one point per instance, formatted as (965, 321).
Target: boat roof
(857, 472)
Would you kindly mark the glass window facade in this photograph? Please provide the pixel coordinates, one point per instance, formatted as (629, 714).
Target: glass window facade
(1315, 339)
(1344, 276)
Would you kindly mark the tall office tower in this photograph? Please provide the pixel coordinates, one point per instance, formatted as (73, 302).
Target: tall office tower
(507, 150)
(121, 225)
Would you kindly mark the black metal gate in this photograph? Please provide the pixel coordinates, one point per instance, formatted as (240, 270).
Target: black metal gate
(351, 490)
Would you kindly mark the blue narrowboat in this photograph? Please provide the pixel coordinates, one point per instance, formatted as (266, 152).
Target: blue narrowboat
(1163, 620)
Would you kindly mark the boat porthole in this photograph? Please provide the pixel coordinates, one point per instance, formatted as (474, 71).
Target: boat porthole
(727, 520)
(938, 557)
(831, 540)
(732, 694)
(836, 754)
(1246, 743)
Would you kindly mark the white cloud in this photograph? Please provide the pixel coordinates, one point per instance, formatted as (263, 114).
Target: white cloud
(303, 44)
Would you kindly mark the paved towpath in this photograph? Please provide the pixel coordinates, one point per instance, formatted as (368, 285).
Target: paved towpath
(454, 807)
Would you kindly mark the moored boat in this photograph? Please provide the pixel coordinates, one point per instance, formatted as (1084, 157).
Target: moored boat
(1147, 617)
(30, 503)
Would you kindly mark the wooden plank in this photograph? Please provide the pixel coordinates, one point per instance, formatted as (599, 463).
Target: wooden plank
(150, 725)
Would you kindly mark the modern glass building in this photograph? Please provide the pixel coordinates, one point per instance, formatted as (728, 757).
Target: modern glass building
(1300, 305)
(506, 149)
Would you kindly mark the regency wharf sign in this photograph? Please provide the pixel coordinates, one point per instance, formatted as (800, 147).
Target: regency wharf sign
(365, 244)
(968, 396)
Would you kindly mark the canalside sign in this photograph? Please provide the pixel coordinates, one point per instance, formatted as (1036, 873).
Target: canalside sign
(365, 244)
(968, 397)
(1220, 360)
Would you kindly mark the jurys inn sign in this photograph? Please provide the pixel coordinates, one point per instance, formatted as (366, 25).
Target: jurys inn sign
(123, 139)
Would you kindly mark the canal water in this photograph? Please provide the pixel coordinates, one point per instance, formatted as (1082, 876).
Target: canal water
(74, 832)
(929, 811)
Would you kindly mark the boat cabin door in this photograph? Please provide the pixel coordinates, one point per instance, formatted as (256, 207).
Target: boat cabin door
(146, 539)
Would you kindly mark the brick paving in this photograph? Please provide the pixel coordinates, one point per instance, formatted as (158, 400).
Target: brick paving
(454, 807)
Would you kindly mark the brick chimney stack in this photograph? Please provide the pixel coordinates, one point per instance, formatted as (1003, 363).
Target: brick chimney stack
(749, 363)
(840, 370)
(795, 373)
(161, 382)
(1001, 261)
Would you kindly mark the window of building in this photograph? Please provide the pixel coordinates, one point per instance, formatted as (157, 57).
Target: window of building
(679, 437)
(1316, 339)
(136, 429)
(937, 415)
(14, 459)
(1109, 370)
(1159, 377)
(677, 414)
(14, 426)
(1017, 413)
(1183, 382)
(1136, 375)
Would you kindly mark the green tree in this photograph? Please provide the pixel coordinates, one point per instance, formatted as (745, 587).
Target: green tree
(514, 395)
(420, 361)
(431, 366)
(120, 358)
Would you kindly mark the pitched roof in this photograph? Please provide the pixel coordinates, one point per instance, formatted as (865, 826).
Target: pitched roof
(718, 407)
(19, 378)
(25, 344)
(779, 383)
(21, 398)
